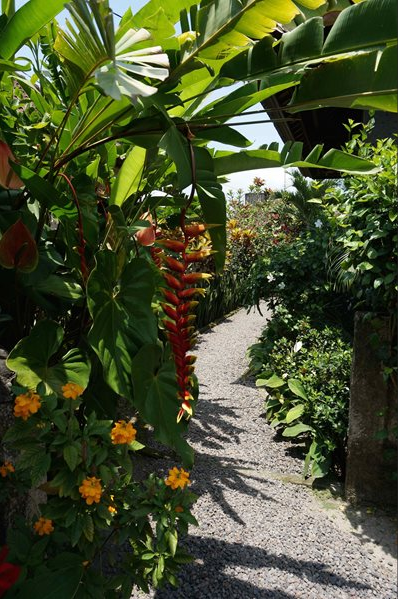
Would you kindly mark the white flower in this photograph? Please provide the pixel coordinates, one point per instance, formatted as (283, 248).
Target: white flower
(318, 223)
(113, 77)
(297, 346)
(281, 285)
(270, 278)
(285, 375)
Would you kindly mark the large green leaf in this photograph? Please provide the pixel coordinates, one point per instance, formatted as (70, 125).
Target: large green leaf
(369, 24)
(26, 22)
(297, 388)
(45, 193)
(130, 176)
(30, 359)
(368, 81)
(123, 321)
(102, 113)
(176, 147)
(58, 584)
(290, 156)
(294, 413)
(273, 382)
(221, 134)
(155, 396)
(296, 429)
(62, 287)
(8, 65)
(212, 202)
(364, 28)
(227, 27)
(238, 101)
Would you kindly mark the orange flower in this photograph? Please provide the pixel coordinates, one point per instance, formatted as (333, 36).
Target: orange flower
(179, 509)
(111, 508)
(26, 404)
(43, 526)
(178, 478)
(6, 468)
(72, 390)
(91, 490)
(123, 432)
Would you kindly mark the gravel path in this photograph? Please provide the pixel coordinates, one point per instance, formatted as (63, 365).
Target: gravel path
(262, 532)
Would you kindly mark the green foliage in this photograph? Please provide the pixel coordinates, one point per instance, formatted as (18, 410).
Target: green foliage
(61, 445)
(364, 257)
(293, 274)
(292, 61)
(107, 127)
(306, 376)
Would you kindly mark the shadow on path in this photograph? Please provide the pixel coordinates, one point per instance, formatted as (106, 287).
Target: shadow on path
(208, 576)
(222, 474)
(214, 427)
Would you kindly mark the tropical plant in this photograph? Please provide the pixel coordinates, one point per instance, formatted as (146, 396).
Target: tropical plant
(364, 256)
(103, 133)
(306, 377)
(304, 196)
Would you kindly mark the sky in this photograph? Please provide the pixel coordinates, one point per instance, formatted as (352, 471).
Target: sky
(275, 178)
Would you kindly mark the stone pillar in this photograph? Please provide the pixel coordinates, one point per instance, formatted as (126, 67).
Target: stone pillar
(373, 408)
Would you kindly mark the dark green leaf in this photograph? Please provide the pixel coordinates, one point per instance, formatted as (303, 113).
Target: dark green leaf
(123, 321)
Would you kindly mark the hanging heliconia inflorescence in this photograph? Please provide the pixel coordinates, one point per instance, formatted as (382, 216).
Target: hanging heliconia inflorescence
(174, 257)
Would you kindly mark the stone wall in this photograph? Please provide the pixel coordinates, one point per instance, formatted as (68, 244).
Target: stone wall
(373, 408)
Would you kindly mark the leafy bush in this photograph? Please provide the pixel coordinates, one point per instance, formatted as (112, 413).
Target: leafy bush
(294, 275)
(306, 376)
(252, 229)
(364, 259)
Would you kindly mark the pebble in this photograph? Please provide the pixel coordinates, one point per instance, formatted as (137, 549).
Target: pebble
(259, 538)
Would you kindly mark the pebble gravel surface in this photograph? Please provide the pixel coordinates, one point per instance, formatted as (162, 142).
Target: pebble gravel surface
(261, 533)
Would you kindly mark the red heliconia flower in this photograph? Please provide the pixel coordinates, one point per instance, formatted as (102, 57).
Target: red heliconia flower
(198, 256)
(171, 312)
(170, 296)
(191, 292)
(179, 304)
(174, 264)
(18, 249)
(195, 277)
(172, 281)
(187, 307)
(172, 244)
(9, 573)
(8, 178)
(195, 230)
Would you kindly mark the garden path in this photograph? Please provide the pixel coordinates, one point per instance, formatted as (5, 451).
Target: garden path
(262, 532)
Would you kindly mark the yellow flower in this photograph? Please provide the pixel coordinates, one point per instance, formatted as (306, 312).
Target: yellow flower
(26, 404)
(178, 478)
(91, 490)
(43, 526)
(72, 390)
(6, 468)
(123, 432)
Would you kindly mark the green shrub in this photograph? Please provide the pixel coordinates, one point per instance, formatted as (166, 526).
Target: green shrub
(294, 275)
(306, 375)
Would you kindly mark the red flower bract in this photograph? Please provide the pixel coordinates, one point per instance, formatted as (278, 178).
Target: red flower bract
(9, 573)
(178, 321)
(18, 248)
